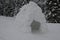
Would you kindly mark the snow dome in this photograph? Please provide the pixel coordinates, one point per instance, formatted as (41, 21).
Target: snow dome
(26, 16)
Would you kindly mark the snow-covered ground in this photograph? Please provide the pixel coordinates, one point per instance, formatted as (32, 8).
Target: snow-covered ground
(9, 32)
(10, 29)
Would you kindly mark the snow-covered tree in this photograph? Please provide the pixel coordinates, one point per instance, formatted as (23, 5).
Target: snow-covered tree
(54, 8)
(11, 7)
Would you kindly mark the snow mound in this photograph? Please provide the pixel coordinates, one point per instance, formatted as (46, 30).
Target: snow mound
(27, 14)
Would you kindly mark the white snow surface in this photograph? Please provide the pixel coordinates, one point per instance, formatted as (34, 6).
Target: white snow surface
(14, 28)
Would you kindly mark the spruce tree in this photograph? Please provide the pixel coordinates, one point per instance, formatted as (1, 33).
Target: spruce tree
(54, 7)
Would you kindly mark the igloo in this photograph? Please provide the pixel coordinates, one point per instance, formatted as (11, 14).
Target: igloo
(28, 13)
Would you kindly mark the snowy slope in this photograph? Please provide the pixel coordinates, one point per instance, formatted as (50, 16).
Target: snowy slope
(9, 30)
